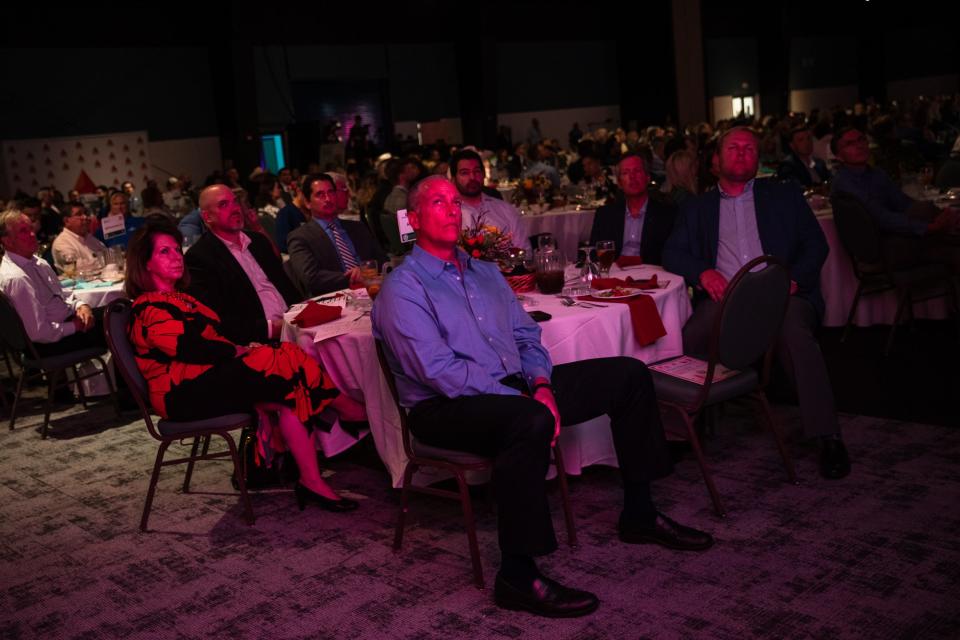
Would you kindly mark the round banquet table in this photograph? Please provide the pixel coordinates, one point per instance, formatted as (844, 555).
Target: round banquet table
(98, 296)
(573, 333)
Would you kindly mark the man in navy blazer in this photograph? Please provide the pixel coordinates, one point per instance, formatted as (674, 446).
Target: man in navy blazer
(722, 230)
(637, 223)
(319, 263)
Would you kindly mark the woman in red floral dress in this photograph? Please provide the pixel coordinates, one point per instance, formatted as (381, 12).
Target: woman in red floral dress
(193, 372)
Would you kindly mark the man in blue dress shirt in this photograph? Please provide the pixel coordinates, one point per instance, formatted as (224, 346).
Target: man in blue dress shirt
(473, 376)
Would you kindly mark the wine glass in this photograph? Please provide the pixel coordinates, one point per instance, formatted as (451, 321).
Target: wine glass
(606, 253)
(546, 243)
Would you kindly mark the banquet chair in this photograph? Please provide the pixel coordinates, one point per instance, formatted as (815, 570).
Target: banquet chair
(744, 334)
(53, 367)
(861, 239)
(458, 463)
(116, 322)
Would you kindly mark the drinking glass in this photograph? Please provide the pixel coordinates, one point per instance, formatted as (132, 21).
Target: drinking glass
(67, 263)
(547, 243)
(550, 272)
(372, 278)
(606, 253)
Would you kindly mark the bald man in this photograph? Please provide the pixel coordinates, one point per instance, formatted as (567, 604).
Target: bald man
(236, 272)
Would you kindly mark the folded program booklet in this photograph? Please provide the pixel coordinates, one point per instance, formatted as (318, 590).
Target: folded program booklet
(692, 369)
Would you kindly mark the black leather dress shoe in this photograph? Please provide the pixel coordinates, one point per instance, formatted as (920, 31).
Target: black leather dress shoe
(834, 461)
(667, 533)
(544, 597)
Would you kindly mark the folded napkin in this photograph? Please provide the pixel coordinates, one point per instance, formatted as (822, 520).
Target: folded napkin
(315, 313)
(629, 261)
(610, 283)
(644, 316)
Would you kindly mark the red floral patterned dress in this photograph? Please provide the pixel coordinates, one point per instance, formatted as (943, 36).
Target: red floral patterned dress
(193, 372)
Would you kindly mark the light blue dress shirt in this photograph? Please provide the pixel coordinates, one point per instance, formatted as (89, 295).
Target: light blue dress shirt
(633, 231)
(739, 241)
(452, 332)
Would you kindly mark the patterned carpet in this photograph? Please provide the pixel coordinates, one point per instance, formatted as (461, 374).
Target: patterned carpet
(874, 556)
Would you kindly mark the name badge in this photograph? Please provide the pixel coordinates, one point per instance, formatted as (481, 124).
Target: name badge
(113, 226)
(407, 234)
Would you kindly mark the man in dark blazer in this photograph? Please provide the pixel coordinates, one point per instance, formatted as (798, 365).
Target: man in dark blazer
(237, 273)
(722, 230)
(637, 223)
(800, 165)
(325, 252)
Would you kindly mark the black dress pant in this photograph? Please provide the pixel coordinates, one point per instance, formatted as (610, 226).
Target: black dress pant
(76, 341)
(516, 431)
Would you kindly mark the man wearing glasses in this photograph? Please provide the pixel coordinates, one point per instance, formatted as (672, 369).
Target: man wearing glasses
(912, 232)
(75, 240)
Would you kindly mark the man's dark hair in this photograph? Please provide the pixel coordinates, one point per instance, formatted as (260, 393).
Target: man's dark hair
(463, 154)
(795, 130)
(307, 184)
(29, 203)
(67, 211)
(635, 154)
(835, 140)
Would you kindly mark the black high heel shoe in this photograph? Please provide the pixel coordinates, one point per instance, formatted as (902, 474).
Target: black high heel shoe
(305, 495)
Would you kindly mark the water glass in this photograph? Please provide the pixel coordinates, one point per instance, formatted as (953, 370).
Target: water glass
(606, 254)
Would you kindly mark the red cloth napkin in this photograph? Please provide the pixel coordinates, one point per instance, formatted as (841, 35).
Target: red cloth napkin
(315, 313)
(629, 261)
(610, 283)
(644, 316)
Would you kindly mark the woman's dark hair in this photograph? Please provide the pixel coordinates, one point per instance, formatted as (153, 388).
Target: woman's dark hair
(138, 280)
(265, 191)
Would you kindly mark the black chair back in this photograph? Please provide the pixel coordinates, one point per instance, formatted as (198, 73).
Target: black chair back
(858, 233)
(116, 321)
(11, 328)
(751, 313)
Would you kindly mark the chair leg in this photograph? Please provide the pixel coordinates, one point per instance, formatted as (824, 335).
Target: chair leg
(151, 490)
(707, 476)
(404, 501)
(901, 305)
(565, 496)
(16, 396)
(471, 525)
(241, 481)
(853, 312)
(766, 417)
(48, 409)
(80, 391)
(193, 459)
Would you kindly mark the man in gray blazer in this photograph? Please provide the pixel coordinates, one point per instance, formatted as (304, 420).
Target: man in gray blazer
(325, 253)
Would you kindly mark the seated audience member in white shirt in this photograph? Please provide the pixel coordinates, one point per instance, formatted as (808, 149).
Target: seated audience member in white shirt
(466, 169)
(54, 319)
(75, 239)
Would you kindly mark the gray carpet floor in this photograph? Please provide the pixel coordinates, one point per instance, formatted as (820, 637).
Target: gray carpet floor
(874, 556)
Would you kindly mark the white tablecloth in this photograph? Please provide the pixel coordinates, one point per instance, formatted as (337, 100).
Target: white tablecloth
(839, 285)
(98, 296)
(574, 333)
(568, 226)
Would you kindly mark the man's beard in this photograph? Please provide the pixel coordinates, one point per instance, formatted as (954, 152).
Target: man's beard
(472, 189)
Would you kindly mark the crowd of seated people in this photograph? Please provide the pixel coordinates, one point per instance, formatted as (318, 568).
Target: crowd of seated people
(207, 324)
